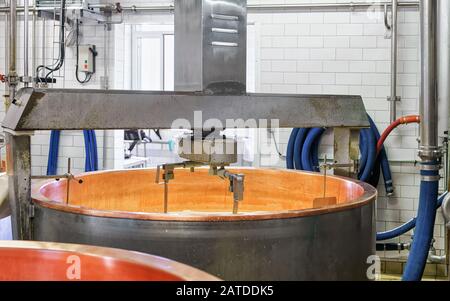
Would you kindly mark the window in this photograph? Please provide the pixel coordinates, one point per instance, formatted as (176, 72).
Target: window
(153, 61)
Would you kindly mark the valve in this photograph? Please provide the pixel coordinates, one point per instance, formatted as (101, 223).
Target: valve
(3, 78)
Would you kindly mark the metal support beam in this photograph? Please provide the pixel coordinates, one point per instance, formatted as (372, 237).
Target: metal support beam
(346, 151)
(19, 174)
(98, 109)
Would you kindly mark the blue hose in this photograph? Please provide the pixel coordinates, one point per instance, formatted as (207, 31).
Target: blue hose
(313, 135)
(52, 164)
(371, 156)
(424, 228)
(90, 145)
(315, 155)
(385, 168)
(298, 147)
(408, 226)
(290, 150)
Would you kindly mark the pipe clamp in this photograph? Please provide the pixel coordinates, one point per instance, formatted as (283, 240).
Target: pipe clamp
(433, 167)
(430, 178)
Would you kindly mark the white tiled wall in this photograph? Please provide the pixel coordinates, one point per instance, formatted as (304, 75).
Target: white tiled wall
(72, 142)
(338, 51)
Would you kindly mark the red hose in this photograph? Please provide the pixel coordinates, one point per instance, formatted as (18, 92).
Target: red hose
(390, 128)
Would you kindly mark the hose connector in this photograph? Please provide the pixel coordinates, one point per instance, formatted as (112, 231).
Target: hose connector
(429, 171)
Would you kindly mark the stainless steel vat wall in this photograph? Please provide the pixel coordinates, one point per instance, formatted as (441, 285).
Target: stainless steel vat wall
(332, 246)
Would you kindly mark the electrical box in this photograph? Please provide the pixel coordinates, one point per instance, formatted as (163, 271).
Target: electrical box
(86, 58)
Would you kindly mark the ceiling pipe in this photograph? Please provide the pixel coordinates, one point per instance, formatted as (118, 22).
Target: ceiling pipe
(255, 7)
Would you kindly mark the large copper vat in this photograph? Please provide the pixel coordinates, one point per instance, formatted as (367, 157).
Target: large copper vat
(282, 231)
(40, 261)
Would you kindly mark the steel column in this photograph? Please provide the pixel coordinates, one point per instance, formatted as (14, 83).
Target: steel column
(19, 173)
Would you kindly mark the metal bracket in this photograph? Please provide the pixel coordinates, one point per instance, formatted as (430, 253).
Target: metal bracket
(396, 98)
(30, 210)
(236, 180)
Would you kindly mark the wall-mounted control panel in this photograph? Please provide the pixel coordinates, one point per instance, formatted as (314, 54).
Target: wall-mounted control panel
(86, 58)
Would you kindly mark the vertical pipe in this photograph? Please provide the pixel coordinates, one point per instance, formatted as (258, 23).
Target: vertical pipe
(43, 48)
(25, 43)
(12, 75)
(429, 148)
(443, 66)
(394, 42)
(6, 55)
(428, 91)
(33, 46)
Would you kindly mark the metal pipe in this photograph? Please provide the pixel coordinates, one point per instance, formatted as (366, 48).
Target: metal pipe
(443, 65)
(12, 74)
(428, 149)
(256, 7)
(25, 44)
(43, 49)
(394, 41)
(34, 46)
(6, 100)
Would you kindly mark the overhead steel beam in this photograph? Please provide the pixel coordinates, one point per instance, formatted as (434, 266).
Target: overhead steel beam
(68, 109)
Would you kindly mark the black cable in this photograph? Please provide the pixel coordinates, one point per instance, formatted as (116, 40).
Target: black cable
(62, 50)
(88, 76)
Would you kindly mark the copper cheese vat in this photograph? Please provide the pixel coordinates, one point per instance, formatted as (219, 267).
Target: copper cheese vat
(285, 229)
(40, 261)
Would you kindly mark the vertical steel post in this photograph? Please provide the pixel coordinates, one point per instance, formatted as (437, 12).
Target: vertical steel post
(429, 145)
(19, 174)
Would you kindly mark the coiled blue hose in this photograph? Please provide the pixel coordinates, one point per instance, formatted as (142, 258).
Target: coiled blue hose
(298, 148)
(385, 168)
(371, 156)
(307, 159)
(290, 150)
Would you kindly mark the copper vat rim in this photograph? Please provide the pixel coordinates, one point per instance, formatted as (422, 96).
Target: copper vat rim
(177, 269)
(370, 195)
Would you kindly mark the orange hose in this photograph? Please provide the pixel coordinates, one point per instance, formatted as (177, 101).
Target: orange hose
(395, 124)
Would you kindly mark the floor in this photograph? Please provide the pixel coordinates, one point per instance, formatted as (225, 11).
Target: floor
(397, 277)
